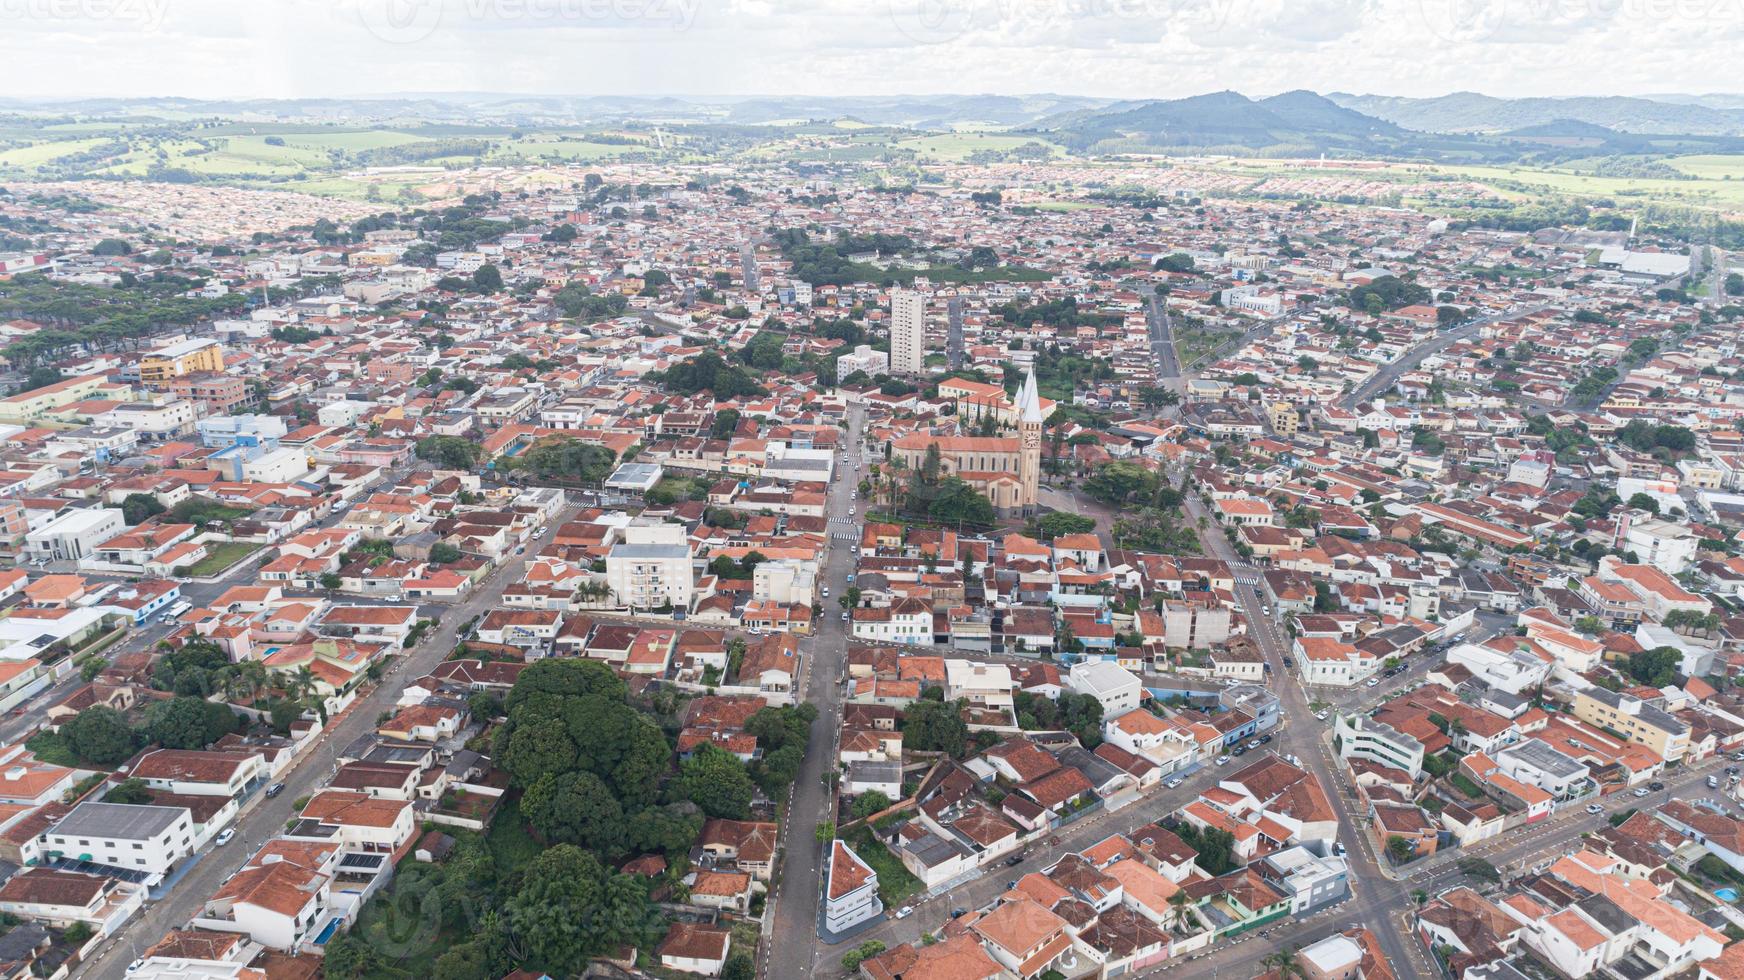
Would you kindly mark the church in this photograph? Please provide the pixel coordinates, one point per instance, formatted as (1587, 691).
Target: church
(1004, 469)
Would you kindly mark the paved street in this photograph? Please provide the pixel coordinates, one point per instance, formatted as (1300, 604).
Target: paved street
(790, 944)
(261, 817)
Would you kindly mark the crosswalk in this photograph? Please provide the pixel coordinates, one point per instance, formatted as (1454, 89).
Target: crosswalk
(844, 536)
(1247, 577)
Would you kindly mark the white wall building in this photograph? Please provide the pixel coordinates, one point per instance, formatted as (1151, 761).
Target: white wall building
(907, 332)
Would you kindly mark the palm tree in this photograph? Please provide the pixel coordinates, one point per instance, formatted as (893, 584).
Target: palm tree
(1178, 910)
(1283, 961)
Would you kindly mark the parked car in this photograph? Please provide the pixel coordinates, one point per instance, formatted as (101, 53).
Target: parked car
(1595, 808)
(1713, 783)
(1640, 791)
(1174, 781)
(1656, 786)
(225, 836)
(1223, 760)
(904, 912)
(1320, 715)
(958, 913)
(1372, 682)
(1014, 860)
(274, 790)
(1265, 739)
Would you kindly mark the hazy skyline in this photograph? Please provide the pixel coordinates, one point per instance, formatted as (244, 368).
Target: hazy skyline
(1112, 48)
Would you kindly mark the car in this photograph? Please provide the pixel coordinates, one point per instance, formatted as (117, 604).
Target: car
(904, 912)
(1713, 783)
(1656, 786)
(1174, 781)
(1731, 770)
(1595, 808)
(850, 512)
(1320, 715)
(1639, 792)
(1223, 760)
(826, 592)
(1265, 739)
(844, 615)
(1254, 743)
(274, 790)
(1337, 849)
(135, 966)
(226, 837)
(1014, 860)
(1011, 884)
(1372, 682)
(1239, 751)
(959, 912)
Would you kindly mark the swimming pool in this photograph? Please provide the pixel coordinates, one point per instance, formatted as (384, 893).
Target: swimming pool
(327, 932)
(1726, 894)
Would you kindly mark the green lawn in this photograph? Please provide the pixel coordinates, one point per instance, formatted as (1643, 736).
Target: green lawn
(1711, 166)
(220, 556)
(895, 884)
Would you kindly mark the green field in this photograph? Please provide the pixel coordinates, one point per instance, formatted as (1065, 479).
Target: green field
(1711, 166)
(38, 154)
(958, 146)
(221, 555)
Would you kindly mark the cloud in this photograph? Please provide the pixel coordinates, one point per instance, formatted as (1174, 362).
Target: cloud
(1114, 48)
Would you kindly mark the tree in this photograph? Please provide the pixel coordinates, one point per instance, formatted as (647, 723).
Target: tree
(1051, 526)
(1642, 501)
(1400, 849)
(1120, 482)
(441, 553)
(111, 247)
(128, 791)
(935, 726)
(449, 452)
(869, 803)
(136, 508)
(739, 967)
(487, 278)
(717, 782)
(99, 735)
(189, 722)
(956, 502)
(725, 423)
(40, 377)
(1657, 667)
(861, 953)
(576, 808)
(569, 909)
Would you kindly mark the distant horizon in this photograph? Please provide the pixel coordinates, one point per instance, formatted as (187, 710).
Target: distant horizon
(754, 96)
(1118, 49)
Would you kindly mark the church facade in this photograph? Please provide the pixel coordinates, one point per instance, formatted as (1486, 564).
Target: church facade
(1004, 469)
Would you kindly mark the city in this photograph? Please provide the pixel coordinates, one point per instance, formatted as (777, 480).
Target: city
(867, 534)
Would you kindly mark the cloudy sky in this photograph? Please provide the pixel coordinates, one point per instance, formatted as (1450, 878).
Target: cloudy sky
(1117, 48)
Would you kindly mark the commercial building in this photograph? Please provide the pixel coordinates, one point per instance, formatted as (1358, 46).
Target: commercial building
(1361, 737)
(165, 364)
(74, 534)
(148, 840)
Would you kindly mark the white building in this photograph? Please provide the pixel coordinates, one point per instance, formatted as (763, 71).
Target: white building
(1116, 687)
(907, 332)
(149, 840)
(864, 358)
(651, 567)
(1361, 737)
(982, 685)
(852, 896)
(74, 535)
(1512, 671)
